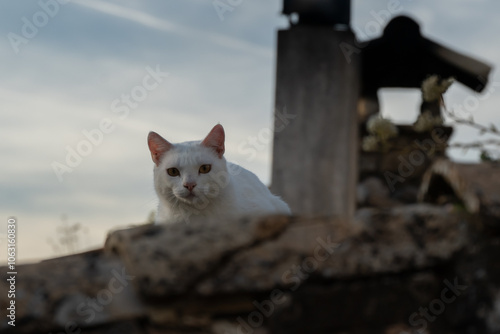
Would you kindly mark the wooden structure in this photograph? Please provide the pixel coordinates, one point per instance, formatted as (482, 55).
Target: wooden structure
(315, 157)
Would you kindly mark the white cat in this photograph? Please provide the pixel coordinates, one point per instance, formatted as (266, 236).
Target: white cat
(193, 180)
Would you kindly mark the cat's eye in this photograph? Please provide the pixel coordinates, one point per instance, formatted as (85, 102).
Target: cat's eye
(173, 172)
(205, 169)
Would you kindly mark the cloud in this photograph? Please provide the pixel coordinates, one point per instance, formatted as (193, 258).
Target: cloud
(153, 22)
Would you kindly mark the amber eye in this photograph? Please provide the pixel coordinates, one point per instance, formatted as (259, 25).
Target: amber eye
(173, 172)
(205, 169)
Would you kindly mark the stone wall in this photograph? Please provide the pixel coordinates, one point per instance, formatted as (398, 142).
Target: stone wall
(409, 269)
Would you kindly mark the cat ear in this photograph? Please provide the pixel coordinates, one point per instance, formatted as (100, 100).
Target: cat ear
(158, 146)
(215, 140)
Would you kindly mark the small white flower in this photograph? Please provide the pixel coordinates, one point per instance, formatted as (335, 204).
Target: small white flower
(433, 87)
(370, 144)
(426, 122)
(381, 127)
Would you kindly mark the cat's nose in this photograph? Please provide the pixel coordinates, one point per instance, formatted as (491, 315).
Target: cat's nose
(189, 185)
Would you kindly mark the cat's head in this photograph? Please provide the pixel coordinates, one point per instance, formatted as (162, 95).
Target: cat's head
(188, 172)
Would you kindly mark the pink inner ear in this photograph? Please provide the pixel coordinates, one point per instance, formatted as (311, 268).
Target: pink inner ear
(215, 140)
(158, 146)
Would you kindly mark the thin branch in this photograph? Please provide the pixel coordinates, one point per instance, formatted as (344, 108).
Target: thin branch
(492, 129)
(476, 144)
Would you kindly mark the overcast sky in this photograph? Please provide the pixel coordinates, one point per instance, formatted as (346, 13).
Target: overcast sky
(176, 67)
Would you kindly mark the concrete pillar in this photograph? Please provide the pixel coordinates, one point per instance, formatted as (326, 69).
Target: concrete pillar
(316, 131)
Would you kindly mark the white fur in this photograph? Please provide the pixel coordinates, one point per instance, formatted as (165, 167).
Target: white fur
(228, 190)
